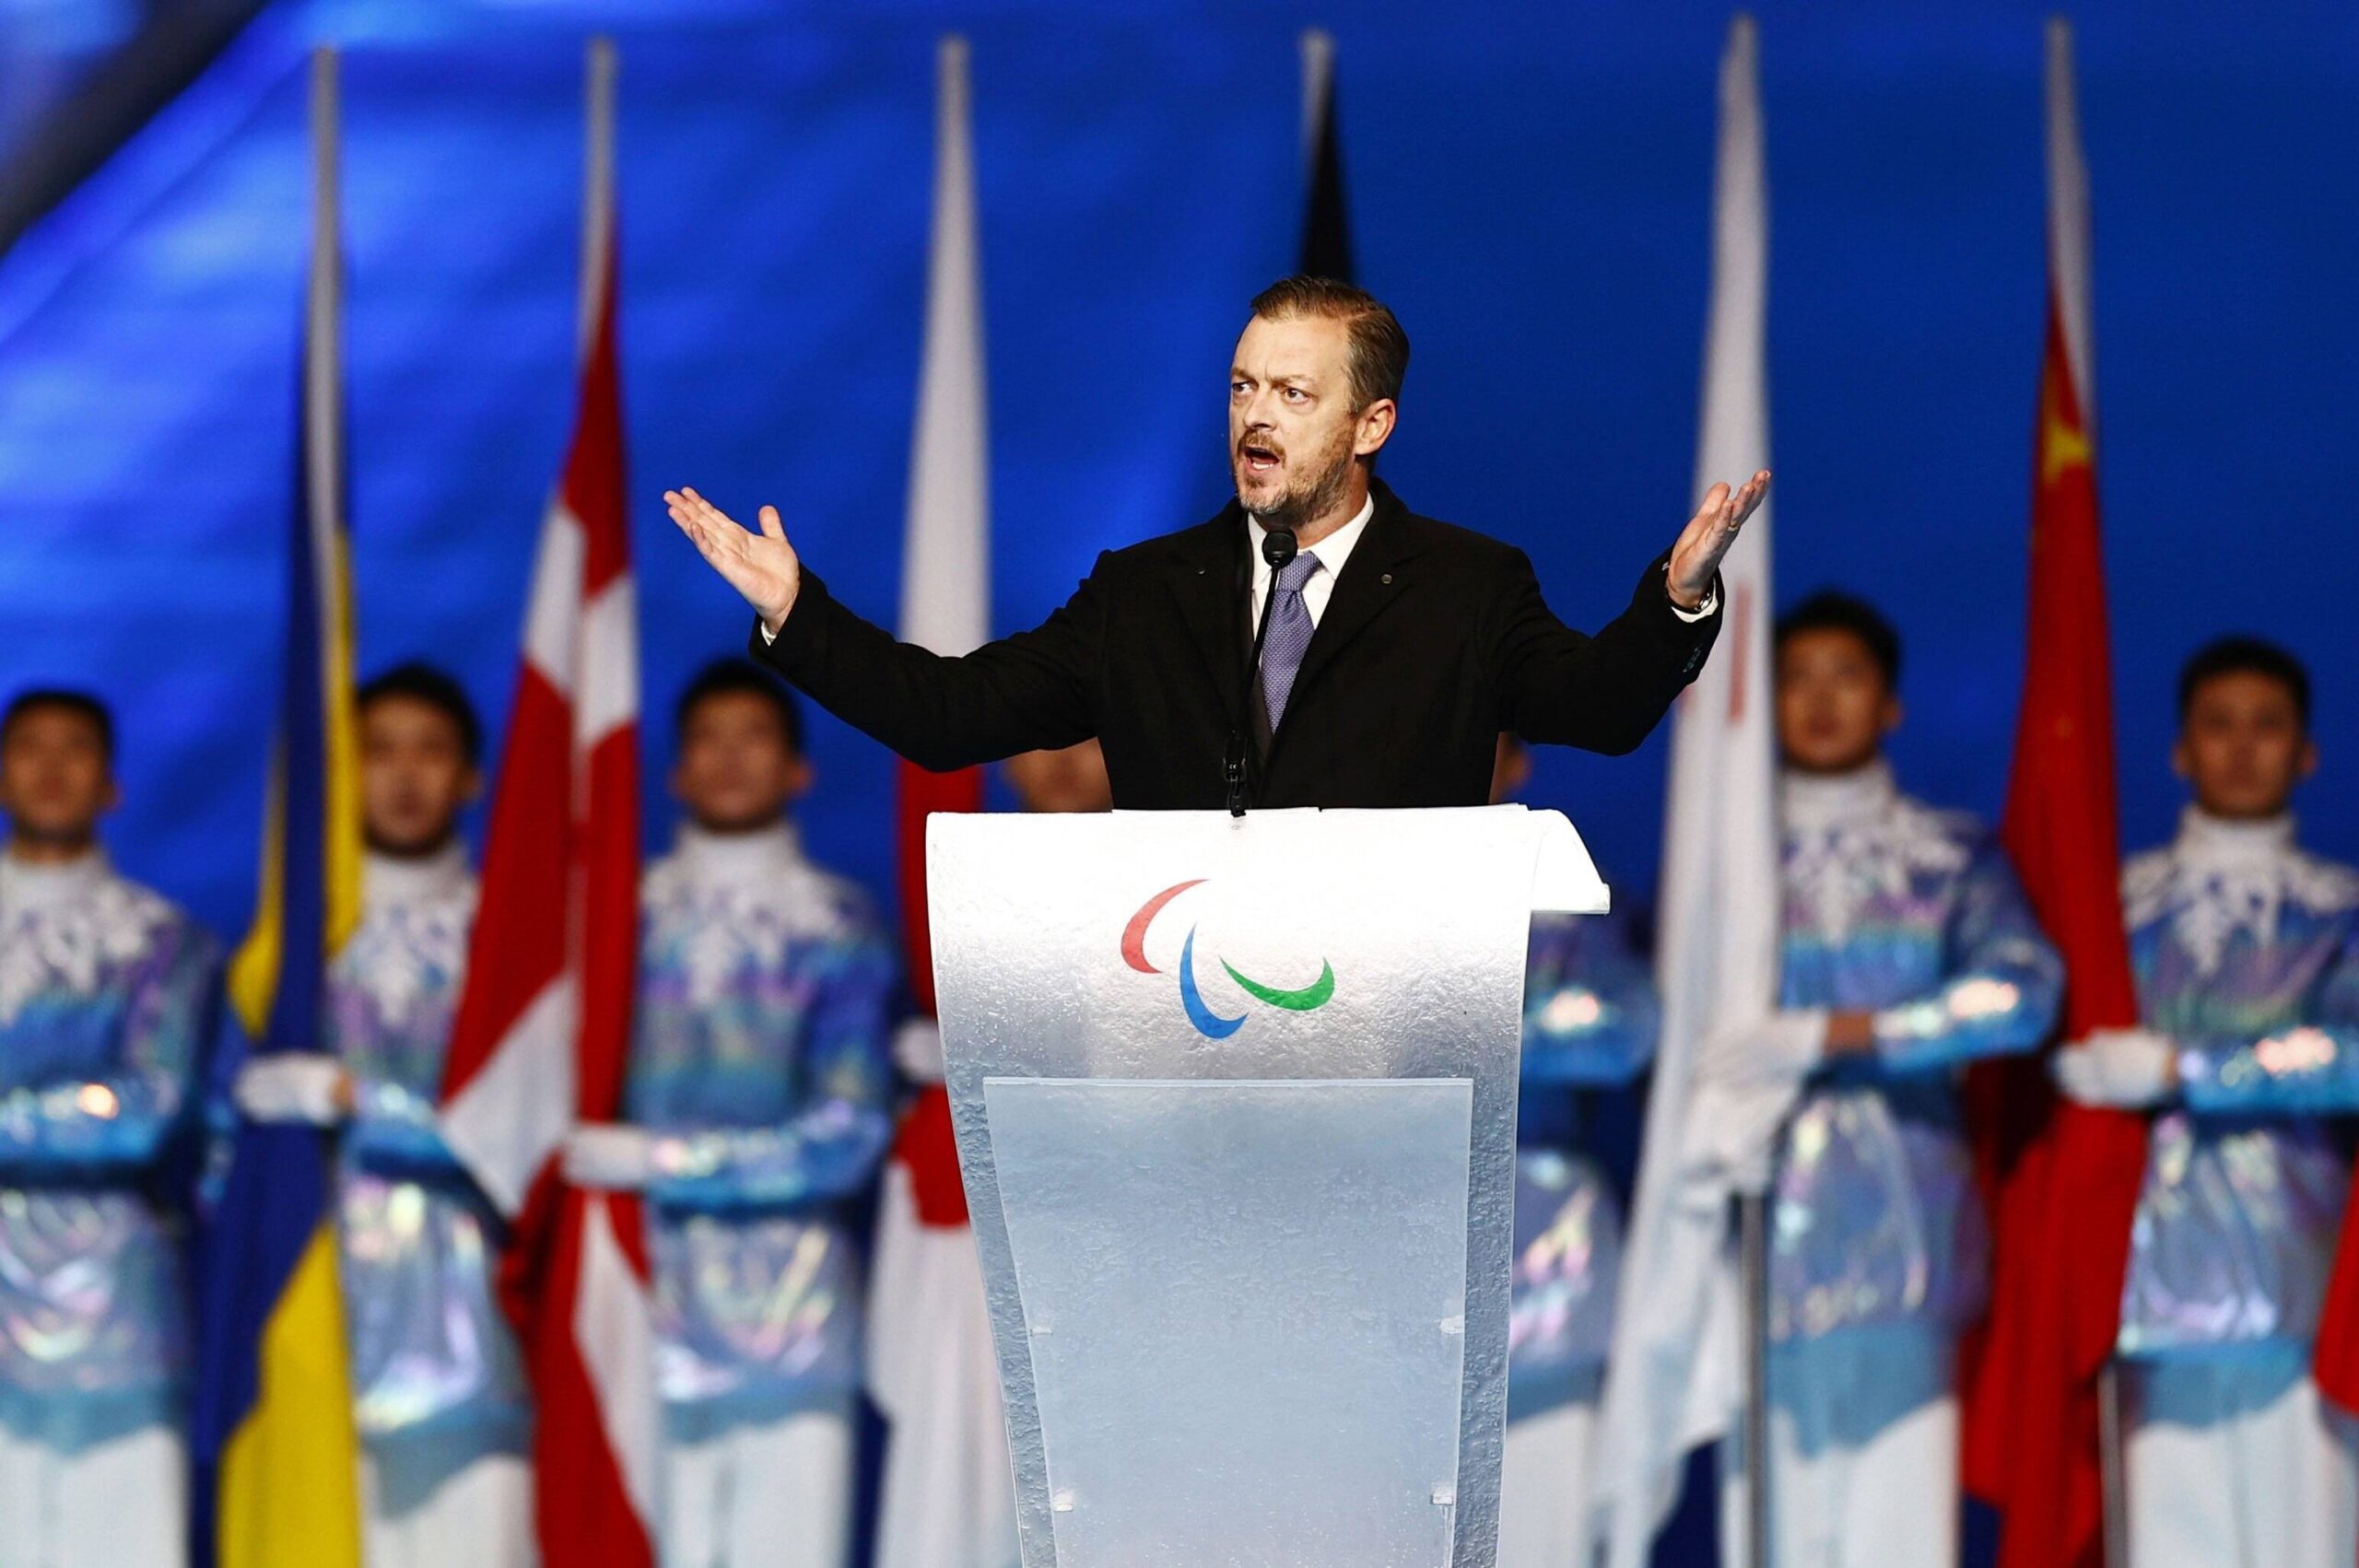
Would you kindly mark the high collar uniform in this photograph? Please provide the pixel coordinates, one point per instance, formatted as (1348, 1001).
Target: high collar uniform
(1878, 1255)
(442, 1407)
(431, 1349)
(108, 1001)
(1913, 915)
(107, 995)
(2245, 950)
(762, 1062)
(1588, 1026)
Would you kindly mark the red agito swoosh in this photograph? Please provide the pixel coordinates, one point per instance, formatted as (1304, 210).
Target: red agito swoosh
(1135, 934)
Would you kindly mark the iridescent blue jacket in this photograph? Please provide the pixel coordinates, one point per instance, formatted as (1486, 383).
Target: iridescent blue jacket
(1588, 1023)
(2247, 954)
(432, 1352)
(762, 1063)
(1914, 916)
(107, 1001)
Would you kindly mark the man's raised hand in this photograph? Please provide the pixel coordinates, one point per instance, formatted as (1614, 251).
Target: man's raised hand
(763, 566)
(1708, 536)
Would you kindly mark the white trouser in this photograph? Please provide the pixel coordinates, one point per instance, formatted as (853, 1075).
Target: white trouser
(1544, 1489)
(477, 1516)
(2236, 1462)
(121, 1502)
(1863, 1456)
(770, 1494)
(950, 1493)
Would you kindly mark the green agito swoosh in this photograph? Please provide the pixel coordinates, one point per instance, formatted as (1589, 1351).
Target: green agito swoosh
(1312, 995)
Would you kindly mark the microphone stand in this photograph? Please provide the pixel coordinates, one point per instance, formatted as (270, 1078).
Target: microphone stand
(1278, 548)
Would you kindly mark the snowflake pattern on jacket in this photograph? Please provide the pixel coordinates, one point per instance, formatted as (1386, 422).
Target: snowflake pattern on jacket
(761, 1063)
(431, 1350)
(1588, 1023)
(2247, 954)
(1913, 916)
(108, 997)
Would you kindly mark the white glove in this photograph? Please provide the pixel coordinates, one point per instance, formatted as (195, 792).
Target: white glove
(611, 1156)
(916, 1050)
(2128, 1068)
(295, 1086)
(1780, 1051)
(1745, 1083)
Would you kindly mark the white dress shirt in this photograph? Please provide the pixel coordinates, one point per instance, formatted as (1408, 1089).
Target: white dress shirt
(1332, 550)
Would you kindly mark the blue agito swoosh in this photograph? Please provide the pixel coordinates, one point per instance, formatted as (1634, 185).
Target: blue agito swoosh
(1208, 1022)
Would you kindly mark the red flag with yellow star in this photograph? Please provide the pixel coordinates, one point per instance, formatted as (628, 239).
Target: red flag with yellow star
(2062, 1178)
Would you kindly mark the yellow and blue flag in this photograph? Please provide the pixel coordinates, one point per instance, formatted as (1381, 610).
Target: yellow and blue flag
(278, 1453)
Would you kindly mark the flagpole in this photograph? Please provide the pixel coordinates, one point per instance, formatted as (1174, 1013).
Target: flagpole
(602, 68)
(1752, 1249)
(1318, 76)
(322, 386)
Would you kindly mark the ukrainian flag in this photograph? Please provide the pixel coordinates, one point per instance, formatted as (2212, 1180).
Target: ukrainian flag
(279, 1458)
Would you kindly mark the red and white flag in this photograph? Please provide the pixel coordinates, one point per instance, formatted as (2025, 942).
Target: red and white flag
(1674, 1379)
(2062, 1178)
(544, 1022)
(948, 1498)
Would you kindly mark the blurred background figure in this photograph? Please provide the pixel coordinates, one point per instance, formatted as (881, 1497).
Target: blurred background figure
(1908, 951)
(759, 1099)
(2246, 949)
(1072, 779)
(107, 994)
(1589, 1024)
(443, 1416)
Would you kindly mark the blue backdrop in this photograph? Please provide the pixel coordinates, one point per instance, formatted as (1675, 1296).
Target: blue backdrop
(1528, 188)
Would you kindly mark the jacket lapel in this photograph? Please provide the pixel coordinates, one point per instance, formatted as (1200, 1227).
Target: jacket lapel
(1215, 596)
(1366, 587)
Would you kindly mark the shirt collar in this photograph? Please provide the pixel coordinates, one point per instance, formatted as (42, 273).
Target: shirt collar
(1332, 550)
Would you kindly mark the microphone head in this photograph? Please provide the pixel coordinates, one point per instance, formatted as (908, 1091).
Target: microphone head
(1278, 547)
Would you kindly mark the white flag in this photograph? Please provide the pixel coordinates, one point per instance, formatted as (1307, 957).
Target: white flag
(1673, 1378)
(948, 1494)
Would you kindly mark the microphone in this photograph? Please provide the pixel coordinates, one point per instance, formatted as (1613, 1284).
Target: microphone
(1278, 547)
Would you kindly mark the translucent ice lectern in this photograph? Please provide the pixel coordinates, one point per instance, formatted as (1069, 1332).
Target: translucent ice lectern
(1235, 1108)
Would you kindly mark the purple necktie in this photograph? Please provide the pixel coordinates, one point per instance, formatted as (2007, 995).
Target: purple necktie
(1288, 637)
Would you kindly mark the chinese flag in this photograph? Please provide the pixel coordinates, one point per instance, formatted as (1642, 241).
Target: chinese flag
(2062, 1178)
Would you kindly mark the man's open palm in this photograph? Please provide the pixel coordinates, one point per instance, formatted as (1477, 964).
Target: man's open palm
(1708, 536)
(763, 566)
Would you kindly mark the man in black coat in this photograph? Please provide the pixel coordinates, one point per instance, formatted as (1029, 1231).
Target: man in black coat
(1397, 648)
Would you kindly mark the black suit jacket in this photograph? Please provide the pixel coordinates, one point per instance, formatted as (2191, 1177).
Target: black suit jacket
(1434, 641)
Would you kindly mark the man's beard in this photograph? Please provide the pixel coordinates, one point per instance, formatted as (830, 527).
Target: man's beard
(1308, 497)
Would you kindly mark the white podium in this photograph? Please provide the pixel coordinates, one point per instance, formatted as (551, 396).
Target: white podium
(1235, 1100)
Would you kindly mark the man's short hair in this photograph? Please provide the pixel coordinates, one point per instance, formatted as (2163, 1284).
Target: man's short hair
(724, 676)
(2242, 655)
(421, 681)
(1829, 611)
(1378, 356)
(65, 699)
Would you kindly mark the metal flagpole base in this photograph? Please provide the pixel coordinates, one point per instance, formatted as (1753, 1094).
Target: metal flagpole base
(1752, 1254)
(2110, 1460)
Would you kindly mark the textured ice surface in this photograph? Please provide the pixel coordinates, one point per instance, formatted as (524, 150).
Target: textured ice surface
(1309, 1419)
(1293, 947)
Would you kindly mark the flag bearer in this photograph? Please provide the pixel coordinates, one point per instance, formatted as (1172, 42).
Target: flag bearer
(2246, 949)
(106, 999)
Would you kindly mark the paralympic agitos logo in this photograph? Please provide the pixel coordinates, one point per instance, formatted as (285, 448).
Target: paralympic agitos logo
(1211, 1024)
